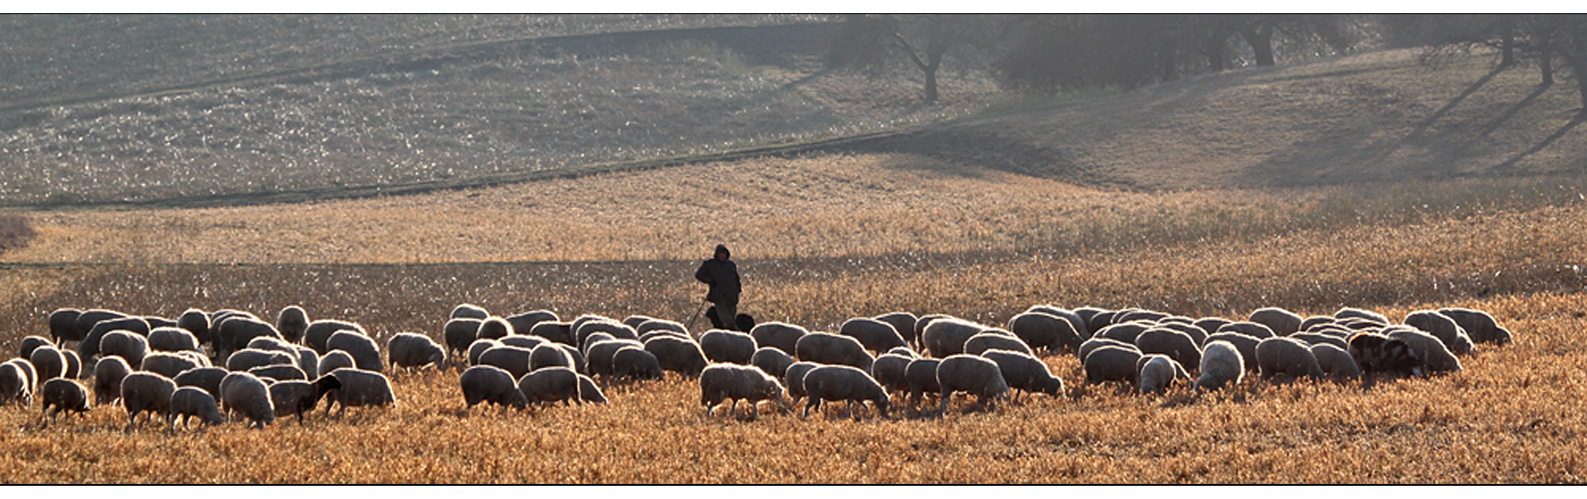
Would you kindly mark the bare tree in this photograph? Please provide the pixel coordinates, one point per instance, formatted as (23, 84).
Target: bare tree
(870, 41)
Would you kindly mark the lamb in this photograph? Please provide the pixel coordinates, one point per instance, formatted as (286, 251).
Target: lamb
(459, 333)
(280, 372)
(189, 402)
(1111, 363)
(1175, 344)
(1282, 322)
(771, 360)
(1126, 332)
(360, 388)
(125, 344)
(974, 375)
(1436, 358)
(336, 359)
(1479, 326)
(298, 397)
(48, 362)
(559, 332)
(146, 391)
(249, 358)
(236, 332)
(944, 337)
(1350, 312)
(513, 359)
(1336, 361)
(1041, 330)
(1222, 363)
(874, 335)
(778, 335)
(63, 325)
(549, 355)
(414, 350)
(833, 383)
(108, 373)
(30, 343)
(1096, 342)
(247, 394)
(15, 385)
(196, 322)
(719, 382)
(793, 379)
(63, 395)
(676, 354)
(720, 345)
(989, 340)
(172, 339)
(827, 348)
(469, 311)
(1443, 327)
(1252, 329)
(904, 324)
(292, 322)
(551, 384)
(1246, 344)
(635, 363)
(1279, 355)
(318, 334)
(365, 352)
(888, 370)
(1157, 372)
(600, 354)
(490, 384)
(204, 378)
(1023, 371)
(921, 374)
(1380, 353)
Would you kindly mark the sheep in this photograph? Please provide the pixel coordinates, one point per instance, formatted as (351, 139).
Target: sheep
(250, 396)
(459, 333)
(1156, 372)
(1096, 342)
(235, 333)
(989, 340)
(172, 339)
(599, 355)
(1136, 314)
(1246, 344)
(1041, 330)
(1023, 371)
(1282, 322)
(1436, 358)
(15, 385)
(1361, 324)
(1210, 324)
(273, 344)
(1087, 313)
(1197, 335)
(603, 326)
(249, 358)
(1280, 355)
(676, 354)
(204, 378)
(793, 379)
(888, 370)
(778, 335)
(292, 322)
(513, 359)
(635, 363)
(1111, 363)
(522, 323)
(318, 334)
(921, 374)
(874, 335)
(1442, 327)
(559, 332)
(721, 345)
(1222, 363)
(146, 391)
(335, 359)
(550, 385)
(1350, 312)
(920, 328)
(660, 324)
(124, 344)
(1175, 344)
(85, 323)
(771, 360)
(549, 355)
(280, 372)
(1126, 331)
(734, 382)
(592, 339)
(1078, 324)
(74, 364)
(583, 319)
(63, 395)
(1100, 319)
(1479, 326)
(847, 383)
(156, 321)
(62, 322)
(30, 343)
(1176, 319)
(523, 341)
(360, 388)
(196, 322)
(30, 372)
(494, 328)
(108, 373)
(1252, 329)
(365, 352)
(299, 396)
(974, 375)
(188, 402)
(414, 350)
(490, 384)
(1380, 353)
(1336, 361)
(469, 311)
(48, 362)
(946, 336)
(827, 348)
(665, 332)
(89, 347)
(634, 321)
(1316, 321)
(588, 392)
(903, 323)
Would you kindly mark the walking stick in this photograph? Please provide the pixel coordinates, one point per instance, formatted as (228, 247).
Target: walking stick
(696, 315)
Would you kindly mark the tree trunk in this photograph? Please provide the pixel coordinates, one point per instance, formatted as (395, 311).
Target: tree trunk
(1507, 43)
(931, 84)
(1216, 59)
(1261, 42)
(1545, 64)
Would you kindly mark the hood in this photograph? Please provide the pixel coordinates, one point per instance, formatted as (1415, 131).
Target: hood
(722, 248)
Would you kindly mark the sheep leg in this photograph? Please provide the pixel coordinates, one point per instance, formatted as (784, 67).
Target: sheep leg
(848, 408)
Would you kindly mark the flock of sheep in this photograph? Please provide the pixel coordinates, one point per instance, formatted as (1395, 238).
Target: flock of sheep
(204, 363)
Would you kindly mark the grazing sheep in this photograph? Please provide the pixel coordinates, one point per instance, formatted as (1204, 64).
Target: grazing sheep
(490, 384)
(156, 321)
(308, 361)
(904, 351)
(588, 392)
(549, 355)
(235, 333)
(273, 344)
(1334, 330)
(592, 339)
(249, 358)
(665, 332)
(1078, 324)
(63, 325)
(360, 388)
(523, 341)
(479, 347)
(1245, 343)
(793, 379)
(1197, 335)
(603, 326)
(720, 345)
(1222, 363)
(888, 370)
(494, 328)
(971, 374)
(600, 354)
(172, 339)
(15, 385)
(1136, 314)
(49, 362)
(74, 365)
(559, 332)
(29, 371)
(834, 383)
(1479, 326)
(921, 374)
(1125, 331)
(469, 311)
(1157, 372)
(1087, 313)
(63, 395)
(1442, 327)
(734, 382)
(635, 363)
(204, 378)
(771, 360)
(318, 334)
(1175, 344)
(903, 323)
(1096, 342)
(292, 322)
(1361, 324)
(196, 322)
(1380, 353)
(85, 323)
(280, 372)
(827, 348)
(365, 352)
(459, 333)
(30, 343)
(677, 354)
(523, 322)
(513, 359)
(244, 393)
(1350, 312)
(146, 391)
(89, 347)
(660, 324)
(1111, 363)
(1210, 324)
(414, 350)
(1335, 361)
(946, 336)
(190, 402)
(1100, 319)
(1279, 355)
(1252, 329)
(874, 335)
(634, 321)
(1176, 319)
(989, 340)
(108, 373)
(125, 344)
(1281, 322)
(1436, 358)
(300, 396)
(1023, 371)
(1319, 339)
(550, 385)
(336, 359)
(920, 328)
(778, 335)
(1041, 330)
(1316, 321)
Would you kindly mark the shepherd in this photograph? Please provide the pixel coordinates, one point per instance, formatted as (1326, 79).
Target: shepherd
(721, 274)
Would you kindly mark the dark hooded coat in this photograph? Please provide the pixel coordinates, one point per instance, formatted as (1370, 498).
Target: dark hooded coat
(722, 277)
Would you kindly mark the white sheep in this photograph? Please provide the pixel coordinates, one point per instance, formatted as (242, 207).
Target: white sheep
(495, 328)
(1351, 312)
(414, 350)
(1480, 326)
(1336, 361)
(1126, 332)
(523, 341)
(292, 322)
(558, 332)
(1024, 371)
(609, 327)
(946, 336)
(62, 395)
(827, 348)
(921, 374)
(1096, 342)
(592, 339)
(108, 373)
(196, 322)
(190, 402)
(1435, 356)
(360, 388)
(720, 345)
(125, 344)
(1246, 344)
(513, 359)
(874, 335)
(1111, 363)
(319, 332)
(660, 324)
(247, 394)
(1280, 355)
(1252, 329)
(365, 352)
(335, 359)
(1210, 324)
(522, 323)
(793, 379)
(1043, 330)
(734, 382)
(771, 360)
(600, 354)
(15, 385)
(635, 363)
(676, 354)
(971, 374)
(48, 362)
(889, 371)
(62, 323)
(778, 335)
(172, 339)
(74, 364)
(29, 343)
(146, 391)
(550, 385)
(991, 339)
(280, 372)
(1222, 364)
(1157, 372)
(249, 358)
(205, 378)
(1443, 327)
(1174, 343)
(847, 383)
(459, 333)
(904, 324)
(234, 333)
(298, 397)
(1281, 322)
(1077, 324)
(490, 384)
(549, 355)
